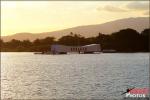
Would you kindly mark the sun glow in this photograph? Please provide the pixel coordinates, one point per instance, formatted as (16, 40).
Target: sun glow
(45, 16)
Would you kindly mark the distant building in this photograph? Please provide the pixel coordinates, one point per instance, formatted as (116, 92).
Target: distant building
(62, 49)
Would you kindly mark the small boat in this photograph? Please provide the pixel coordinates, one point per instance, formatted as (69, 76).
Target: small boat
(109, 51)
(39, 53)
(42, 53)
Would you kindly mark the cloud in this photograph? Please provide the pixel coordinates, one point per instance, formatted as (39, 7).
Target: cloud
(110, 8)
(131, 7)
(138, 5)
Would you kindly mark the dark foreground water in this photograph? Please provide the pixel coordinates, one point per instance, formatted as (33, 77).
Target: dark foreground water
(73, 76)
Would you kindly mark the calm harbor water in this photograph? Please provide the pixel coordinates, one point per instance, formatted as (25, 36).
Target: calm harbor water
(73, 76)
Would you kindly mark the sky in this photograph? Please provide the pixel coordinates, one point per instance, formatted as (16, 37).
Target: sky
(46, 16)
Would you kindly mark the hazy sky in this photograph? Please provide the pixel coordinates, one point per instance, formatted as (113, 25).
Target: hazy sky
(46, 16)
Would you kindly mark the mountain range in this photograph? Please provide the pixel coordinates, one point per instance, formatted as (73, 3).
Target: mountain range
(138, 23)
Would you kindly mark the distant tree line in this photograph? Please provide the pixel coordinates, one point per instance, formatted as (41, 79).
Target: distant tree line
(126, 40)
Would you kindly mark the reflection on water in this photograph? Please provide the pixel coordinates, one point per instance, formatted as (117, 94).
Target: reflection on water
(73, 76)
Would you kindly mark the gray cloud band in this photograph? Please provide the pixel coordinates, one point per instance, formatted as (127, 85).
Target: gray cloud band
(139, 6)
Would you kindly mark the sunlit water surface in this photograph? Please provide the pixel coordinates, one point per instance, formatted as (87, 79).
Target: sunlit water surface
(73, 76)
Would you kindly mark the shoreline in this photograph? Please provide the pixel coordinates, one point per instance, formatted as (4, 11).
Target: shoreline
(77, 53)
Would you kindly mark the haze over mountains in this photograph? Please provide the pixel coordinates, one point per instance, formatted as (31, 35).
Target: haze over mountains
(139, 24)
